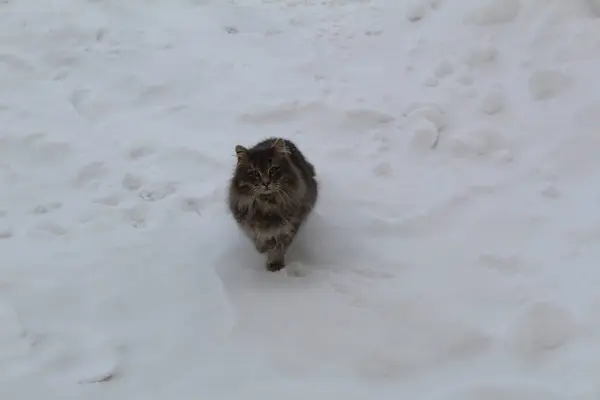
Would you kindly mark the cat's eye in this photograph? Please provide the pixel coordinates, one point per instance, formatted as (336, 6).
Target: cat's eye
(254, 174)
(274, 170)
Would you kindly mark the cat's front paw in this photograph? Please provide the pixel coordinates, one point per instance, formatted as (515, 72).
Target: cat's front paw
(274, 266)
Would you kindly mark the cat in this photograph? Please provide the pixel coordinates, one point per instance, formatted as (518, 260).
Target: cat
(272, 192)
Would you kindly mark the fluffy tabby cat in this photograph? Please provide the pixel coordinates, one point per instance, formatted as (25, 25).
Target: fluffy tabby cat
(271, 193)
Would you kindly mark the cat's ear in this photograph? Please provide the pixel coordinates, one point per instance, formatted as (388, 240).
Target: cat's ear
(280, 146)
(241, 152)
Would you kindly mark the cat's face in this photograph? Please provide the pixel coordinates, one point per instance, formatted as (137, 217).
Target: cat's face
(264, 172)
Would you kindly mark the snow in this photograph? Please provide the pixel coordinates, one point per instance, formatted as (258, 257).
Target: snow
(453, 252)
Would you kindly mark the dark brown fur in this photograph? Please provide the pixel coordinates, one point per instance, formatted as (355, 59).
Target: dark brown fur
(271, 193)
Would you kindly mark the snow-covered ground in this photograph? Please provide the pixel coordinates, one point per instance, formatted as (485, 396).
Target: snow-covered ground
(455, 250)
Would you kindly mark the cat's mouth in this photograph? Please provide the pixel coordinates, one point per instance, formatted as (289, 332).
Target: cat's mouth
(266, 196)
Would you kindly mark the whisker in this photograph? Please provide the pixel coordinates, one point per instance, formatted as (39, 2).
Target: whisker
(287, 199)
(278, 193)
